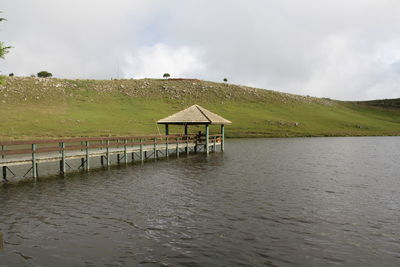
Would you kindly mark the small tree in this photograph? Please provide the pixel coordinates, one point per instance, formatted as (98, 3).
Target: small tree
(44, 74)
(3, 48)
(225, 80)
(166, 75)
(11, 74)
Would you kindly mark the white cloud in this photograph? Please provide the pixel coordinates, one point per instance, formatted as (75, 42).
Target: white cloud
(333, 48)
(154, 61)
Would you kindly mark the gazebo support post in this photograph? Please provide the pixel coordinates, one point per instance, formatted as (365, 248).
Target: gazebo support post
(166, 141)
(207, 139)
(166, 129)
(222, 138)
(186, 132)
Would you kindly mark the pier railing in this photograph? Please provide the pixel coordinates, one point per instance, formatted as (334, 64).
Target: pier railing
(13, 153)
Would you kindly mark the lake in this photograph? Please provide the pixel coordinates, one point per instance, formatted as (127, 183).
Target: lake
(277, 202)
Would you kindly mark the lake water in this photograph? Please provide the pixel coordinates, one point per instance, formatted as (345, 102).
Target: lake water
(277, 202)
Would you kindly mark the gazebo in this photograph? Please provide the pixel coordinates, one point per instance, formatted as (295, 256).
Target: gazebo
(196, 115)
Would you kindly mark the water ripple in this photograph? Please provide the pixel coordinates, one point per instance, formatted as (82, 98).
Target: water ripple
(274, 202)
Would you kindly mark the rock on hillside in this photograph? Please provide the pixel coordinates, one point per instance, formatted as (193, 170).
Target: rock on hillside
(21, 89)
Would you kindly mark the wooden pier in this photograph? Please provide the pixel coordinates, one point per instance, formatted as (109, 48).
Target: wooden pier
(127, 149)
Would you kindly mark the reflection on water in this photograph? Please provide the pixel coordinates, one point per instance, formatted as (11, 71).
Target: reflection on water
(309, 201)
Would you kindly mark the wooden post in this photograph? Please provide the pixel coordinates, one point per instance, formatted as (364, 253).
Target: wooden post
(196, 142)
(5, 173)
(108, 152)
(4, 168)
(187, 145)
(186, 132)
(125, 154)
(133, 153)
(87, 156)
(118, 156)
(141, 150)
(101, 157)
(166, 147)
(34, 165)
(82, 159)
(215, 144)
(62, 162)
(207, 137)
(177, 148)
(222, 138)
(166, 129)
(155, 148)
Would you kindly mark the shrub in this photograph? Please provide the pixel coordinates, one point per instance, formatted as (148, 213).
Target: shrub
(44, 74)
(166, 75)
(11, 74)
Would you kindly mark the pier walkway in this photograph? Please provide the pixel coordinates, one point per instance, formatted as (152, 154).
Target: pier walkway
(127, 149)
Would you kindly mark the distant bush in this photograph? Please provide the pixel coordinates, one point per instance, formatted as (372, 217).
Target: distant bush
(225, 80)
(166, 75)
(44, 74)
(11, 74)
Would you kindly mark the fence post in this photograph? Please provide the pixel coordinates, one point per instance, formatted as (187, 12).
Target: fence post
(82, 159)
(101, 157)
(4, 168)
(187, 145)
(207, 139)
(34, 165)
(125, 154)
(215, 144)
(166, 147)
(108, 152)
(118, 156)
(5, 173)
(133, 153)
(87, 155)
(222, 137)
(62, 162)
(141, 150)
(155, 148)
(177, 147)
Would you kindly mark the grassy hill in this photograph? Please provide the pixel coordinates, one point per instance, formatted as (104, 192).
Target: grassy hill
(45, 108)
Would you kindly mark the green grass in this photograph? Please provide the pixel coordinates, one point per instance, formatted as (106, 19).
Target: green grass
(46, 108)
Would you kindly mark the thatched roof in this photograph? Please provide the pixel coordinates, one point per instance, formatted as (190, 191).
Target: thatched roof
(194, 115)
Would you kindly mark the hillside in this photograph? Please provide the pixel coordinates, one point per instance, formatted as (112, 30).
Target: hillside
(43, 108)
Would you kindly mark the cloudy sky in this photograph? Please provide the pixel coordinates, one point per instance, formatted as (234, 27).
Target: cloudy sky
(342, 49)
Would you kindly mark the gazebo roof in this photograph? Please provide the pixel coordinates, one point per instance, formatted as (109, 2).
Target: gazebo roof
(194, 115)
